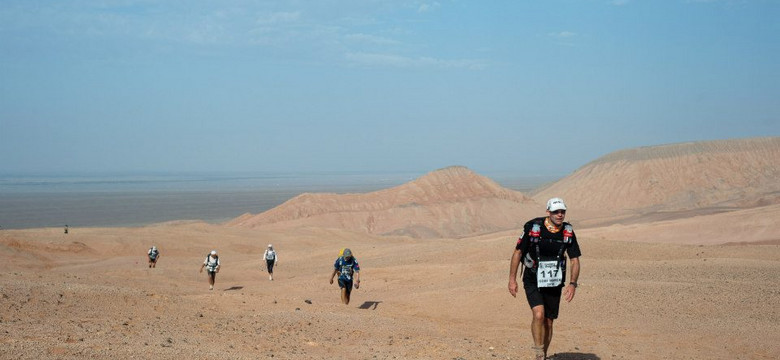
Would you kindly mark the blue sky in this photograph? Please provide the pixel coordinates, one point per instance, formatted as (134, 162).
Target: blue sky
(520, 87)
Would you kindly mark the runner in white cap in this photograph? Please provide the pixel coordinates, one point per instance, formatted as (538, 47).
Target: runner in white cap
(212, 267)
(541, 249)
(154, 254)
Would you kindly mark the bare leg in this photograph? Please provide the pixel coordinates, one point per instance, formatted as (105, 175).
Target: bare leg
(537, 325)
(548, 333)
(344, 296)
(538, 330)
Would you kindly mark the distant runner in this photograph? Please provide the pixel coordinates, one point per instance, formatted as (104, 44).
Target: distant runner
(154, 254)
(541, 250)
(270, 260)
(212, 267)
(347, 267)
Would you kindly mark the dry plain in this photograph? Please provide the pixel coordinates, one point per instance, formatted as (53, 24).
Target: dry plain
(696, 280)
(89, 294)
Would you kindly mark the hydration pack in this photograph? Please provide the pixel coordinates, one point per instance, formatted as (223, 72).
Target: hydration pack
(535, 236)
(208, 263)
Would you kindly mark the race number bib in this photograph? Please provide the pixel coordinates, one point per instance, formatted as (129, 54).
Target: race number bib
(346, 272)
(548, 274)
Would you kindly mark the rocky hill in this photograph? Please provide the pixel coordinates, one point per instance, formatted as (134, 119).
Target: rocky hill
(739, 173)
(450, 202)
(635, 185)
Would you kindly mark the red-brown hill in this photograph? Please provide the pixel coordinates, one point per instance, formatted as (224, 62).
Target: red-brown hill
(723, 174)
(450, 202)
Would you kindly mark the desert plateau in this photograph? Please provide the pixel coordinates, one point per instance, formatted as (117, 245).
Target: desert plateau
(681, 260)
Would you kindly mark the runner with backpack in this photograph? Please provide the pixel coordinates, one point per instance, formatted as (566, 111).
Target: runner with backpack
(270, 260)
(542, 250)
(212, 267)
(154, 254)
(347, 267)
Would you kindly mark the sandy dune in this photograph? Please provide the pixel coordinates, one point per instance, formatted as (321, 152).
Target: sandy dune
(696, 280)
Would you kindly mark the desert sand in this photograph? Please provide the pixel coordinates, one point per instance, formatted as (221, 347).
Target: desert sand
(697, 280)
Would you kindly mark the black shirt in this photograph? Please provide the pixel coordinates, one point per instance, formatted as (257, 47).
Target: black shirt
(549, 246)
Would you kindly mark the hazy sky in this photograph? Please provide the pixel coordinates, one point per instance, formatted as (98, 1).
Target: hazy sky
(369, 85)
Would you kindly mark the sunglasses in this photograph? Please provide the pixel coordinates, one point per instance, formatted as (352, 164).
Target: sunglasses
(556, 212)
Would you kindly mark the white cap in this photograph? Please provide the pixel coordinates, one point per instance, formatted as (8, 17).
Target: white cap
(555, 204)
(213, 252)
(270, 246)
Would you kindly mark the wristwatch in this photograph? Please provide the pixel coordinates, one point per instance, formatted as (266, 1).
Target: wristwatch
(574, 284)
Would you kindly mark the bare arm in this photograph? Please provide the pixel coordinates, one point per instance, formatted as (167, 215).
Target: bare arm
(356, 274)
(332, 275)
(516, 256)
(575, 274)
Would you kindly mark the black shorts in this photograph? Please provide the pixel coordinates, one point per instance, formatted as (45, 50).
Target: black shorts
(346, 284)
(550, 298)
(270, 265)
